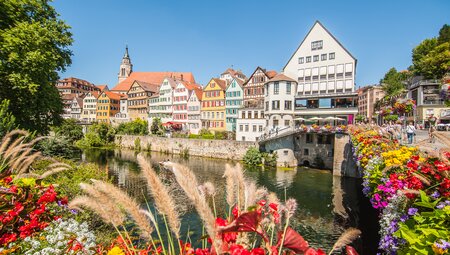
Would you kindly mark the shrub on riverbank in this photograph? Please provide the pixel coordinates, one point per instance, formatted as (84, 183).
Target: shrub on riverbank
(411, 190)
(99, 135)
(135, 127)
(253, 157)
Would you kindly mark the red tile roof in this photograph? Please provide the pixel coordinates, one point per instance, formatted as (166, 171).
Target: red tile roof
(271, 74)
(102, 87)
(112, 95)
(152, 78)
(282, 77)
(222, 84)
(148, 86)
(198, 93)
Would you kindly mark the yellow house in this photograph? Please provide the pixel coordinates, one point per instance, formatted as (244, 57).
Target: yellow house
(108, 104)
(213, 105)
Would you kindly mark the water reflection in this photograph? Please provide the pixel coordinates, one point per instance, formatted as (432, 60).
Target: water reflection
(327, 204)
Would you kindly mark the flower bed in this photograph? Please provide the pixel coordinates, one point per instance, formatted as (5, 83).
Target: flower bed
(411, 189)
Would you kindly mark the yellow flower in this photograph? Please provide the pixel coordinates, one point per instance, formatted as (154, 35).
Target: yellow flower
(116, 251)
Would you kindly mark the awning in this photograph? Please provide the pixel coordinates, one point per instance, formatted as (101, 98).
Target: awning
(172, 123)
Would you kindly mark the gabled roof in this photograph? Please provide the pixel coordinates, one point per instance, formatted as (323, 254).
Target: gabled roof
(238, 81)
(68, 96)
(233, 72)
(326, 30)
(152, 78)
(281, 77)
(270, 74)
(146, 86)
(102, 87)
(79, 101)
(222, 84)
(198, 93)
(112, 95)
(188, 85)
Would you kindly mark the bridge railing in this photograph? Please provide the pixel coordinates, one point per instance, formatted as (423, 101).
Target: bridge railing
(287, 130)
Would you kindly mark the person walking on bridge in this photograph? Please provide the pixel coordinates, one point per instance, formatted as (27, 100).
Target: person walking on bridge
(410, 131)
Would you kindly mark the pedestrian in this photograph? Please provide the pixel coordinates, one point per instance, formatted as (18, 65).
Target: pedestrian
(410, 131)
(431, 133)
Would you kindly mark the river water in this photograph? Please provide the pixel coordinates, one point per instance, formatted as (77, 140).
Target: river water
(327, 204)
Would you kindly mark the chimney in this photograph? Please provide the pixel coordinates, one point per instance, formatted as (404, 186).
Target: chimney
(182, 77)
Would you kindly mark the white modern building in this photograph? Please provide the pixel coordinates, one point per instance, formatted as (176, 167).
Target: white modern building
(279, 103)
(325, 71)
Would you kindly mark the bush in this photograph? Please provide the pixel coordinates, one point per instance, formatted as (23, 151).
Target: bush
(193, 136)
(98, 135)
(204, 131)
(59, 146)
(70, 129)
(7, 120)
(157, 127)
(270, 159)
(135, 127)
(208, 136)
(253, 157)
(219, 135)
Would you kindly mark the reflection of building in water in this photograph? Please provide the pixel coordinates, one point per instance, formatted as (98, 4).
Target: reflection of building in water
(285, 177)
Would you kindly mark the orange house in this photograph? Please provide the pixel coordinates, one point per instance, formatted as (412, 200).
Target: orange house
(108, 104)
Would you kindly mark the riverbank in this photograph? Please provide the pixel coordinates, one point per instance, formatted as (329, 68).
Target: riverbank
(222, 149)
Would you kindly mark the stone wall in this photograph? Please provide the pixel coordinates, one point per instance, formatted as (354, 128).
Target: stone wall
(343, 163)
(223, 149)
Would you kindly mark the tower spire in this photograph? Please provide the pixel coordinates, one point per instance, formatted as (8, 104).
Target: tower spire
(125, 66)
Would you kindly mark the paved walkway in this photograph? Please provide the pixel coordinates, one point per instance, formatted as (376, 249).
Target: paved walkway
(442, 140)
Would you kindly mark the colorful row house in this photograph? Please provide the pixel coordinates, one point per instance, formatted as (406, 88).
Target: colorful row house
(213, 105)
(108, 105)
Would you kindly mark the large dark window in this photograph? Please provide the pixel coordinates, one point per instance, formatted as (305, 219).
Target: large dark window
(312, 103)
(276, 105)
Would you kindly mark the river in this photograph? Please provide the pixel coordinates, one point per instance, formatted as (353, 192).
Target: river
(327, 204)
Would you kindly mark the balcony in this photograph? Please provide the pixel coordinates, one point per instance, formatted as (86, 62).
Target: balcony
(431, 91)
(433, 102)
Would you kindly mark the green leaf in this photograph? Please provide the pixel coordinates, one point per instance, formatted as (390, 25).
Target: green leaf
(424, 204)
(408, 235)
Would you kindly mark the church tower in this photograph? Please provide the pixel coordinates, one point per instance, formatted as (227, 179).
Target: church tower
(125, 67)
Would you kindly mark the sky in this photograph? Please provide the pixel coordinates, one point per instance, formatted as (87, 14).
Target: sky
(206, 37)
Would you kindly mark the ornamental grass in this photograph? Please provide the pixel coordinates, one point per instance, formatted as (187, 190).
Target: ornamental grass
(255, 223)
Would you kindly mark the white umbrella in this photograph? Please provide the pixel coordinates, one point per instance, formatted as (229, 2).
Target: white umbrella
(330, 118)
(339, 118)
(299, 118)
(315, 118)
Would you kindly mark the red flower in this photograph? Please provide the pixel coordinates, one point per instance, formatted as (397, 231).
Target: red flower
(311, 251)
(7, 180)
(235, 212)
(8, 238)
(257, 251)
(237, 249)
(262, 202)
(199, 251)
(13, 189)
(273, 206)
(49, 196)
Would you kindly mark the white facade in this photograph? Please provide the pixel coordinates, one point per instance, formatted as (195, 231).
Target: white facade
(89, 107)
(194, 108)
(279, 102)
(165, 100)
(180, 100)
(76, 108)
(325, 72)
(250, 125)
(321, 65)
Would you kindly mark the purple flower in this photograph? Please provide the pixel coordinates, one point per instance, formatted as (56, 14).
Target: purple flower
(435, 195)
(444, 245)
(412, 211)
(403, 218)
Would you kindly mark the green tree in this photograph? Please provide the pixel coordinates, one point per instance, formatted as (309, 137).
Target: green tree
(7, 120)
(70, 129)
(444, 34)
(33, 48)
(156, 126)
(431, 58)
(135, 127)
(393, 84)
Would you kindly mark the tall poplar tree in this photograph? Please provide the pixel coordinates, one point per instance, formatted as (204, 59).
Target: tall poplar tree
(34, 45)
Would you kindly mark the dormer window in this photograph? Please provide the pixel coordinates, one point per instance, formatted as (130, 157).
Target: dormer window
(317, 45)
